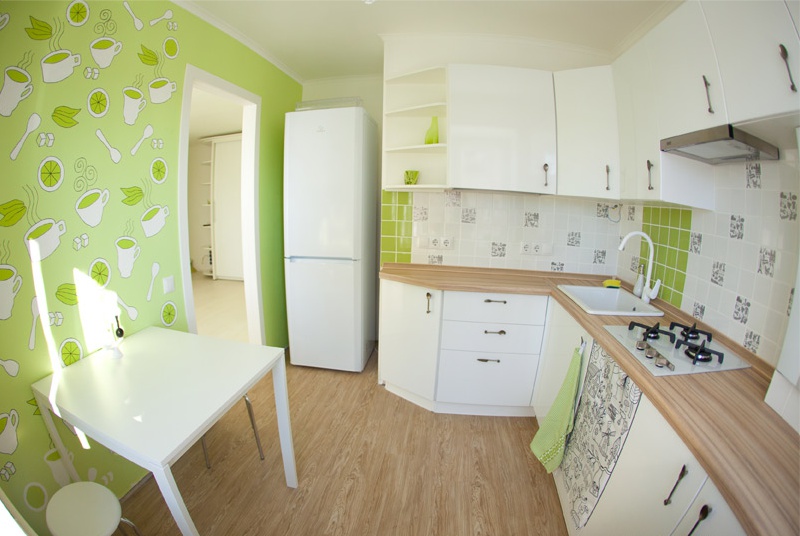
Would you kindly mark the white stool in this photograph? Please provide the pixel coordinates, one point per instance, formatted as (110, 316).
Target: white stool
(85, 509)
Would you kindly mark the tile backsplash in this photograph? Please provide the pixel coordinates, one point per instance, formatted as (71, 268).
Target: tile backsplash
(733, 268)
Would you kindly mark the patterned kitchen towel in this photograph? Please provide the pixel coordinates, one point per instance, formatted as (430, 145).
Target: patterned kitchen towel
(549, 442)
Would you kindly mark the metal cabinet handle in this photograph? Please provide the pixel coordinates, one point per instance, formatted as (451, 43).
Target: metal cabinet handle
(682, 474)
(487, 300)
(545, 168)
(428, 296)
(484, 360)
(785, 56)
(708, 95)
(704, 511)
(608, 177)
(501, 332)
(649, 175)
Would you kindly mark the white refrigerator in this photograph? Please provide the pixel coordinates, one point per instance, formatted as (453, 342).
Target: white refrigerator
(330, 189)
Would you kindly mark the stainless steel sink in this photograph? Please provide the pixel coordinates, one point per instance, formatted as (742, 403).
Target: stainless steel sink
(608, 301)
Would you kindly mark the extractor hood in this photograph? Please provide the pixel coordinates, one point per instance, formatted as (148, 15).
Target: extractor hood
(720, 145)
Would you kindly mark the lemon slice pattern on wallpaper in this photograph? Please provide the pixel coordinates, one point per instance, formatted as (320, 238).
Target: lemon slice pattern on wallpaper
(100, 271)
(78, 13)
(51, 174)
(71, 351)
(169, 314)
(159, 170)
(97, 103)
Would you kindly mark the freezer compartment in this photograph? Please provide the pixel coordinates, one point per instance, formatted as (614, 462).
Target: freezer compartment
(331, 322)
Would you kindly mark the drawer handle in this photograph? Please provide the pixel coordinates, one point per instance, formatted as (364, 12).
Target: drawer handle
(704, 511)
(487, 300)
(484, 360)
(683, 473)
(428, 296)
(501, 332)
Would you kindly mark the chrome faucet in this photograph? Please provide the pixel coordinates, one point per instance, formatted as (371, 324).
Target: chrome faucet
(647, 293)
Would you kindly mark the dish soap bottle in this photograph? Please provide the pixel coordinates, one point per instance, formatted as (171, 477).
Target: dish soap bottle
(639, 286)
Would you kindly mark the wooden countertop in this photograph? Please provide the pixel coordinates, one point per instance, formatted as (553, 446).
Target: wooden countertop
(751, 454)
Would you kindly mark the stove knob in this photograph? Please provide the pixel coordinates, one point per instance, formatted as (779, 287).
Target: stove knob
(651, 352)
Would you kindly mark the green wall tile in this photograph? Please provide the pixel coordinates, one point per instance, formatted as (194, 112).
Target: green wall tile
(397, 213)
(669, 229)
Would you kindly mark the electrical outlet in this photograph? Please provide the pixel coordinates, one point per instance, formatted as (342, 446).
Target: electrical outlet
(535, 248)
(447, 242)
(435, 242)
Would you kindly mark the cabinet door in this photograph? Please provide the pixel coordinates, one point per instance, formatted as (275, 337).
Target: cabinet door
(562, 335)
(686, 79)
(747, 36)
(638, 124)
(588, 136)
(718, 516)
(410, 322)
(646, 475)
(501, 130)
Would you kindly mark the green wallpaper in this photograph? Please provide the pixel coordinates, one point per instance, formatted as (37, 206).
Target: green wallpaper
(90, 108)
(670, 229)
(396, 226)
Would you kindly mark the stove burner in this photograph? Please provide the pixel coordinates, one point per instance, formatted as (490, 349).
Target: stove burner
(652, 332)
(698, 353)
(690, 333)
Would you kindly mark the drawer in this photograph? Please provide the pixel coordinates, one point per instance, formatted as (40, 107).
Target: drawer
(486, 378)
(491, 337)
(488, 307)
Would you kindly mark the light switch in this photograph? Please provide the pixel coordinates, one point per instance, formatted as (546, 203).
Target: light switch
(169, 284)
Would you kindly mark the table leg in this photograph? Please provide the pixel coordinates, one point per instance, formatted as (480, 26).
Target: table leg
(44, 408)
(284, 423)
(169, 489)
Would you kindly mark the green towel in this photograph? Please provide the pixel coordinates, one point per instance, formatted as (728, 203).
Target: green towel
(549, 442)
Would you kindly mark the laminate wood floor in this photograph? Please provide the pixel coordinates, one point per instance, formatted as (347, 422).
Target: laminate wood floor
(369, 463)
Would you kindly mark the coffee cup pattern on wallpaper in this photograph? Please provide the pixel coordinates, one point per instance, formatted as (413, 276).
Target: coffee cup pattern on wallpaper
(68, 71)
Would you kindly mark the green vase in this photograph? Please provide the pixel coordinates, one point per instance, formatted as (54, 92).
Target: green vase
(432, 135)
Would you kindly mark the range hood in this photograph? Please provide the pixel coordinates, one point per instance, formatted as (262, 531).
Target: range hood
(720, 145)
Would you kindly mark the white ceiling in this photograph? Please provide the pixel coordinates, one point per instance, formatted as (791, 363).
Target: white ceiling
(213, 115)
(315, 39)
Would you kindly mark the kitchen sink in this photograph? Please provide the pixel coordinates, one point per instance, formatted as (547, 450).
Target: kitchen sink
(608, 301)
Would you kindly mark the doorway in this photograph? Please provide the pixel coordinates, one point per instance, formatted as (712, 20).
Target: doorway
(203, 89)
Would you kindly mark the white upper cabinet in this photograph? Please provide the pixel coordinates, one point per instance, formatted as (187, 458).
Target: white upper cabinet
(686, 79)
(588, 135)
(640, 151)
(501, 129)
(749, 37)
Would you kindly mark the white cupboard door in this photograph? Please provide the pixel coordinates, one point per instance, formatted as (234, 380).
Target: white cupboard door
(227, 207)
(686, 79)
(718, 518)
(639, 139)
(410, 323)
(748, 36)
(588, 135)
(501, 129)
(646, 475)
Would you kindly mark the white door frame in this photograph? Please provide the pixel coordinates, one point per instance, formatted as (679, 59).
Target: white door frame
(251, 260)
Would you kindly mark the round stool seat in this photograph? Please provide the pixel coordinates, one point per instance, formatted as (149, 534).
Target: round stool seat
(83, 509)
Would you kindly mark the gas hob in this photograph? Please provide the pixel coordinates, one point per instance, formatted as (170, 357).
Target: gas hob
(677, 350)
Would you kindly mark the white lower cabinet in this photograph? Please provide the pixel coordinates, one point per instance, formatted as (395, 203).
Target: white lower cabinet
(460, 352)
(410, 323)
(709, 515)
(645, 493)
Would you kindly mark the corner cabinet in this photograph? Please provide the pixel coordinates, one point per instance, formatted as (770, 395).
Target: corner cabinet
(502, 130)
(469, 353)
(411, 102)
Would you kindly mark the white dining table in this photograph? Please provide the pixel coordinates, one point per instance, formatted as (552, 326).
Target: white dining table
(156, 400)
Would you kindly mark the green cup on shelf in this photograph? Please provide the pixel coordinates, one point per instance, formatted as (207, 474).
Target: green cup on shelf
(411, 176)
